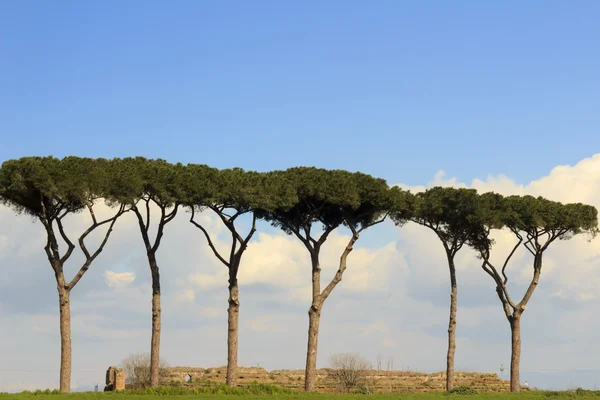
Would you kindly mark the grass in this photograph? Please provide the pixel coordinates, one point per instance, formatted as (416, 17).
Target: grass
(258, 391)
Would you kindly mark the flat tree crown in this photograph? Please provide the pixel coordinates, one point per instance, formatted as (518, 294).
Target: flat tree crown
(537, 216)
(50, 186)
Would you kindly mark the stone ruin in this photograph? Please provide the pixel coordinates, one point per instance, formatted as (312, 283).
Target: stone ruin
(379, 381)
(386, 381)
(115, 379)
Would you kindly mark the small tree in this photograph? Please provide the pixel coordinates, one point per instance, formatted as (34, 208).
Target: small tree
(536, 223)
(50, 190)
(349, 370)
(137, 368)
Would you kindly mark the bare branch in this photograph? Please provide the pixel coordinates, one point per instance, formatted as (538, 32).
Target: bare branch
(532, 285)
(343, 264)
(508, 259)
(229, 222)
(90, 258)
(169, 217)
(487, 270)
(92, 214)
(147, 223)
(234, 243)
(324, 235)
(527, 246)
(70, 244)
(552, 237)
(210, 243)
(234, 216)
(372, 223)
(143, 227)
(308, 241)
(251, 233)
(500, 283)
(164, 219)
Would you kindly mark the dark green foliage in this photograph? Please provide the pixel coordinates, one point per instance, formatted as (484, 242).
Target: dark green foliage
(403, 205)
(552, 220)
(536, 221)
(461, 390)
(331, 198)
(321, 197)
(451, 213)
(48, 186)
(154, 180)
(234, 189)
(199, 185)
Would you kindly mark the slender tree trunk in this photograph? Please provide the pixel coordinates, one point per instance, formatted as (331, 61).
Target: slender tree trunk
(451, 326)
(65, 340)
(515, 359)
(233, 313)
(156, 314)
(314, 316)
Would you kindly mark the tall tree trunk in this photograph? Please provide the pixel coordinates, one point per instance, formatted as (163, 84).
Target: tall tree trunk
(155, 343)
(515, 359)
(314, 315)
(451, 326)
(65, 339)
(233, 313)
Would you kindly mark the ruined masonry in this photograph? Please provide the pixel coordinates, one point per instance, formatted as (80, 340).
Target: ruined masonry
(115, 379)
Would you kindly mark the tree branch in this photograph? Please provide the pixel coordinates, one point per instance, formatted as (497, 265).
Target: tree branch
(92, 214)
(508, 259)
(370, 224)
(164, 219)
(70, 244)
(169, 217)
(343, 264)
(146, 226)
(305, 240)
(500, 283)
(552, 237)
(143, 228)
(90, 258)
(234, 243)
(324, 235)
(251, 233)
(210, 243)
(533, 284)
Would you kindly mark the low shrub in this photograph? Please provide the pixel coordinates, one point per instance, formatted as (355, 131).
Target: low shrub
(461, 390)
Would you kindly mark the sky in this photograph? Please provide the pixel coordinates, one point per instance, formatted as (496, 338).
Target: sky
(497, 96)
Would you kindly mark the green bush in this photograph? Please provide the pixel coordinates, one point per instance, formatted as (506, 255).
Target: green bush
(461, 390)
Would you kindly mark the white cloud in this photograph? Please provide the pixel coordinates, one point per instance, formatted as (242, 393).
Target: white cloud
(186, 296)
(118, 279)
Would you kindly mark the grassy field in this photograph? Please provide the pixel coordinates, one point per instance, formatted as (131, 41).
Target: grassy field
(273, 393)
(309, 396)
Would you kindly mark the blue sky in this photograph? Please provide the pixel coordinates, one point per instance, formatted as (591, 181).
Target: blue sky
(396, 89)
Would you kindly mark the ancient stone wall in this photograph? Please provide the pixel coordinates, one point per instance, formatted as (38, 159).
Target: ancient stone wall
(379, 380)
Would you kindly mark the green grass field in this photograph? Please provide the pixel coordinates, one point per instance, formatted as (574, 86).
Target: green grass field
(273, 393)
(310, 396)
